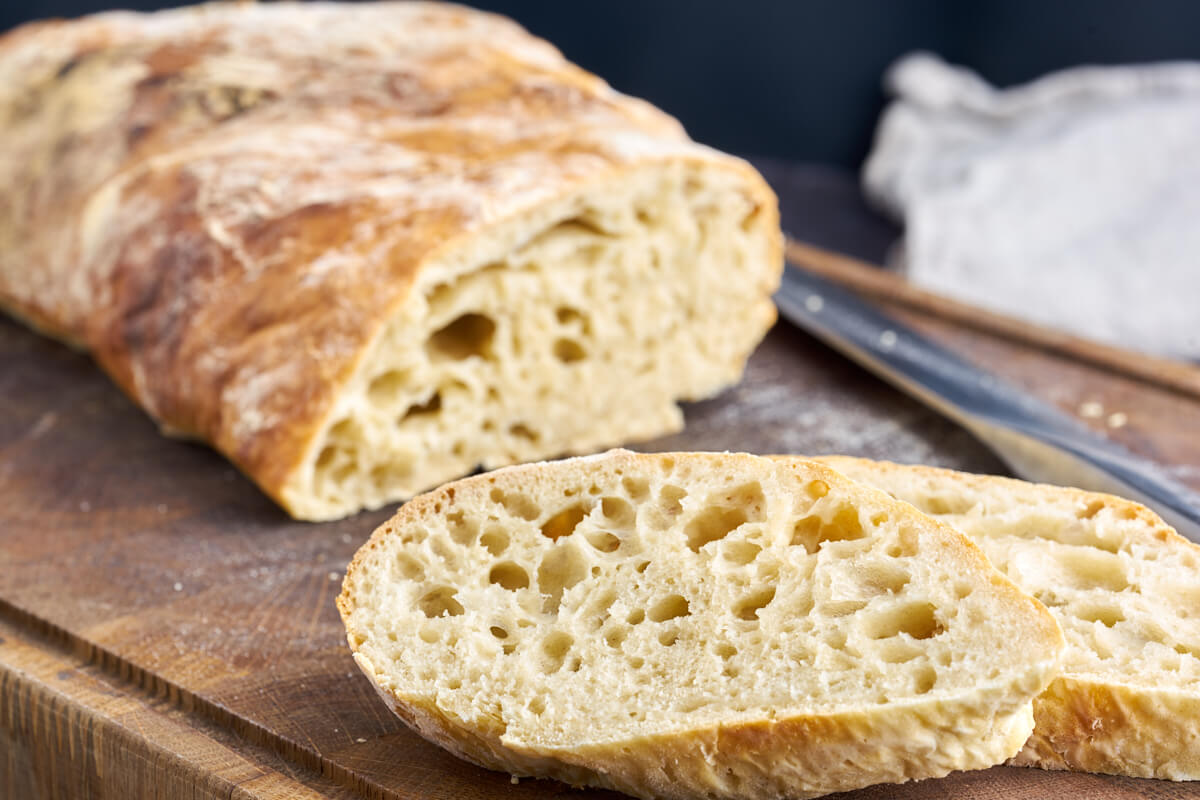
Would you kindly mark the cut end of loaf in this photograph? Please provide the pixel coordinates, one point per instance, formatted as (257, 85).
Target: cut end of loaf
(620, 611)
(577, 328)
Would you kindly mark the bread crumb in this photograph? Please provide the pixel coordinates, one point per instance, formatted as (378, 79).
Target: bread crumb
(1117, 420)
(514, 779)
(1091, 410)
(333, 576)
(85, 506)
(161, 508)
(178, 586)
(360, 740)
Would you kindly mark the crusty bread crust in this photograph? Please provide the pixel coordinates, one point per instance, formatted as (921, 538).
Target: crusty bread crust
(783, 753)
(226, 204)
(1095, 720)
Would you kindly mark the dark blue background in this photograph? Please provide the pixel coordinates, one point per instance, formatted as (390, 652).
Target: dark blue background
(800, 79)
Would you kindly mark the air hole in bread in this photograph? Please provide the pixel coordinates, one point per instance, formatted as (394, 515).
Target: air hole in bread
(495, 539)
(466, 336)
(615, 636)
(520, 430)
(886, 577)
(806, 533)
(1106, 615)
(1185, 649)
(668, 508)
(617, 511)
(669, 607)
(569, 351)
(668, 637)
(748, 607)
(1090, 510)
(509, 575)
(555, 647)
(917, 620)
(516, 503)
(725, 514)
(603, 601)
(638, 489)
(570, 316)
(326, 457)
(440, 602)
(603, 541)
(924, 679)
(498, 632)
(740, 552)
(905, 545)
(636, 616)
(387, 387)
(834, 638)
(897, 651)
(842, 608)
(724, 650)
(712, 524)
(564, 522)
(462, 530)
(419, 410)
(537, 706)
(844, 527)
(939, 504)
(561, 568)
(585, 223)
(409, 567)
(1087, 569)
(816, 489)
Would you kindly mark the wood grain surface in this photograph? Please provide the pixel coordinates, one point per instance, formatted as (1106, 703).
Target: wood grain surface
(166, 631)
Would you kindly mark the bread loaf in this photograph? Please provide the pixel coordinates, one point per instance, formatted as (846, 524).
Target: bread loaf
(362, 249)
(1125, 588)
(694, 625)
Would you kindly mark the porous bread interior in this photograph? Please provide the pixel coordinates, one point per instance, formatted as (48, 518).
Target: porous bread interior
(584, 335)
(609, 599)
(1124, 588)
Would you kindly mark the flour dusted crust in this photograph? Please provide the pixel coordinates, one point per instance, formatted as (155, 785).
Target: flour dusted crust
(694, 625)
(1124, 586)
(362, 248)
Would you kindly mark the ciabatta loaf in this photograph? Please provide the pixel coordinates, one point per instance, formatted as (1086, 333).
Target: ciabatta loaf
(363, 248)
(1125, 588)
(695, 625)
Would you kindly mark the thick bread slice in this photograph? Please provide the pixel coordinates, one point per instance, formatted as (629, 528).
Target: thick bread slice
(1125, 588)
(695, 625)
(363, 248)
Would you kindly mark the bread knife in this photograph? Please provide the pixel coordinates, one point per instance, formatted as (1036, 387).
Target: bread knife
(1039, 442)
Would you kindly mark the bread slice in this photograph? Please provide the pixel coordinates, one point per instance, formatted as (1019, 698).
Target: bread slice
(694, 625)
(1125, 588)
(364, 248)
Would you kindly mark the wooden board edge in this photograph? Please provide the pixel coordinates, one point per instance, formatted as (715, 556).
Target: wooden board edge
(70, 729)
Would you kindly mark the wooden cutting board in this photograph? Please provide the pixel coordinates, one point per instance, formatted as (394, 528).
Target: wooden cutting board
(166, 631)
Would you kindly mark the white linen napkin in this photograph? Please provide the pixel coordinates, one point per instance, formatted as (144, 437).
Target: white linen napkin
(1073, 201)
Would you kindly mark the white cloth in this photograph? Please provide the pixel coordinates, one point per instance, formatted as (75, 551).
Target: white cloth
(1073, 201)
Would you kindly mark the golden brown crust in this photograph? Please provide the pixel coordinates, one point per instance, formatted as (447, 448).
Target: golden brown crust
(226, 203)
